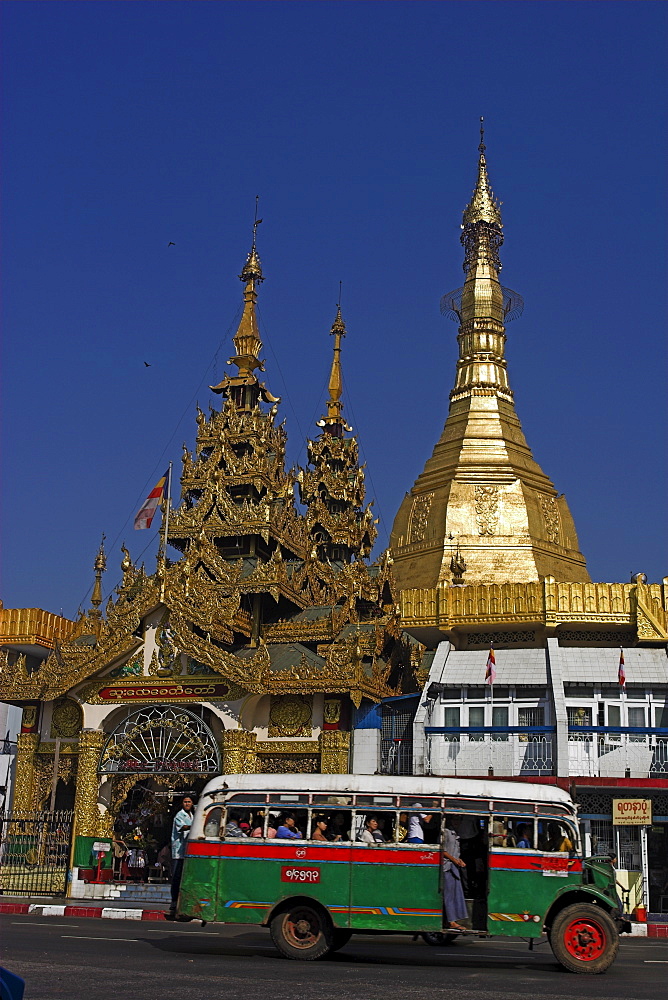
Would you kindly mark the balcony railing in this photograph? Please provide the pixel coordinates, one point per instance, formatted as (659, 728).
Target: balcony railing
(495, 750)
(617, 753)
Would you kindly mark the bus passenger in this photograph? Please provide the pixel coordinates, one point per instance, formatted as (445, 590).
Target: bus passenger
(453, 892)
(415, 828)
(522, 836)
(371, 834)
(557, 841)
(402, 827)
(287, 830)
(233, 829)
(319, 831)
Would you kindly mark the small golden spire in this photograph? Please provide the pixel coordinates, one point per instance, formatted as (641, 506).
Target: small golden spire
(99, 566)
(335, 386)
(244, 386)
(483, 206)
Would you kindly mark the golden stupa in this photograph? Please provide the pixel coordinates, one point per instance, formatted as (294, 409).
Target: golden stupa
(482, 506)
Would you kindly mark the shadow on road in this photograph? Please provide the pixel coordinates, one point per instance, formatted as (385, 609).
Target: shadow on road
(462, 955)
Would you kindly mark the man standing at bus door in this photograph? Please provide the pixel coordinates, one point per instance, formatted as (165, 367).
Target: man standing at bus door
(454, 902)
(180, 830)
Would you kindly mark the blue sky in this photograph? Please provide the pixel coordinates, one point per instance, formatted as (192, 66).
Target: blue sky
(129, 125)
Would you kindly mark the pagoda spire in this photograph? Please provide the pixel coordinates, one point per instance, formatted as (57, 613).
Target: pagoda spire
(482, 482)
(340, 527)
(244, 389)
(100, 566)
(480, 304)
(333, 423)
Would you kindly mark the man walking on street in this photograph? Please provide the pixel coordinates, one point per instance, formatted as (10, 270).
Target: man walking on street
(180, 830)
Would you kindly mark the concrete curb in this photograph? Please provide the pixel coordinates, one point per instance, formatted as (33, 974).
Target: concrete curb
(63, 910)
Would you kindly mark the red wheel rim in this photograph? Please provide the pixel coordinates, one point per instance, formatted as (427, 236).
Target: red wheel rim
(302, 928)
(585, 939)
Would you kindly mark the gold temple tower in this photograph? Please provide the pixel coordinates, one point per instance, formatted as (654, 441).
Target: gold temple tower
(482, 501)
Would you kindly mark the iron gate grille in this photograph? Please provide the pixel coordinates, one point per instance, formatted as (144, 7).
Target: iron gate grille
(396, 739)
(35, 852)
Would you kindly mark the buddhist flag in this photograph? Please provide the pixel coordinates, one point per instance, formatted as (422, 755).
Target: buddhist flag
(621, 673)
(490, 671)
(147, 513)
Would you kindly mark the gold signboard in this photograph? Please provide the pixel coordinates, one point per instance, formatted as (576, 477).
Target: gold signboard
(148, 691)
(632, 812)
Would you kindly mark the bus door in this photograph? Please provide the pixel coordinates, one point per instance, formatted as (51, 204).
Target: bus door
(394, 885)
(529, 858)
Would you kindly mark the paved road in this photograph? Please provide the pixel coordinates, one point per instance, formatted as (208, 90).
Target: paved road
(78, 959)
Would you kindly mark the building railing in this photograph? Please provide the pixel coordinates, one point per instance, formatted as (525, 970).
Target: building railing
(496, 750)
(598, 752)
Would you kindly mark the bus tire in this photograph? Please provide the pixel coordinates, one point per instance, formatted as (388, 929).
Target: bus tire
(584, 939)
(340, 938)
(302, 931)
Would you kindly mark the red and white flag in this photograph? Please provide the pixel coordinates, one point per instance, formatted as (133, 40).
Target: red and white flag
(490, 670)
(621, 673)
(147, 513)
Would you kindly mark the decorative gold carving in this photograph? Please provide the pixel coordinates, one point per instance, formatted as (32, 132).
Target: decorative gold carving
(239, 752)
(29, 718)
(419, 518)
(287, 746)
(88, 818)
(32, 627)
(486, 504)
(551, 603)
(551, 517)
(298, 763)
(66, 719)
(334, 751)
(67, 772)
(290, 715)
(332, 711)
(24, 783)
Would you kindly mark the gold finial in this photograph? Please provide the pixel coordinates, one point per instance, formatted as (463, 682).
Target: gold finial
(483, 206)
(335, 385)
(99, 566)
(252, 269)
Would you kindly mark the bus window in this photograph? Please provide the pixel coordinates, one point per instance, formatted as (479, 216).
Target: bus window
(375, 828)
(292, 824)
(237, 823)
(555, 837)
(512, 832)
(330, 825)
(212, 822)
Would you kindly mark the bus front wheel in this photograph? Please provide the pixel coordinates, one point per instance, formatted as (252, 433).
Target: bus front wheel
(584, 939)
(303, 932)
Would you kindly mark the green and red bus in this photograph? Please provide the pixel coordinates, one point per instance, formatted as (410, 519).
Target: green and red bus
(285, 851)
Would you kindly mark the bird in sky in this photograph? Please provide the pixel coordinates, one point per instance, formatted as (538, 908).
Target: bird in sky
(170, 244)
(147, 364)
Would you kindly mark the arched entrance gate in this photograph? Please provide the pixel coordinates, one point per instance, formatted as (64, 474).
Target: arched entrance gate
(155, 753)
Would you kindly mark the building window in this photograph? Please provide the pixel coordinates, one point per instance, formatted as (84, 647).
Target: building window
(578, 716)
(614, 716)
(500, 718)
(661, 716)
(531, 716)
(477, 718)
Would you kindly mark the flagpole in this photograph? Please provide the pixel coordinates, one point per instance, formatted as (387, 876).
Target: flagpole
(163, 532)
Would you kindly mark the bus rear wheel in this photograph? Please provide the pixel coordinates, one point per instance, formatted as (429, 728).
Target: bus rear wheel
(584, 939)
(302, 932)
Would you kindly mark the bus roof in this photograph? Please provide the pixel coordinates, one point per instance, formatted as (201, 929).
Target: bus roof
(415, 785)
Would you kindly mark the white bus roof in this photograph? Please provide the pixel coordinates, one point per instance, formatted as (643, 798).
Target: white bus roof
(484, 788)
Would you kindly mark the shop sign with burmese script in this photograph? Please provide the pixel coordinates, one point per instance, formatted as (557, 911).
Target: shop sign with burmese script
(149, 691)
(632, 812)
